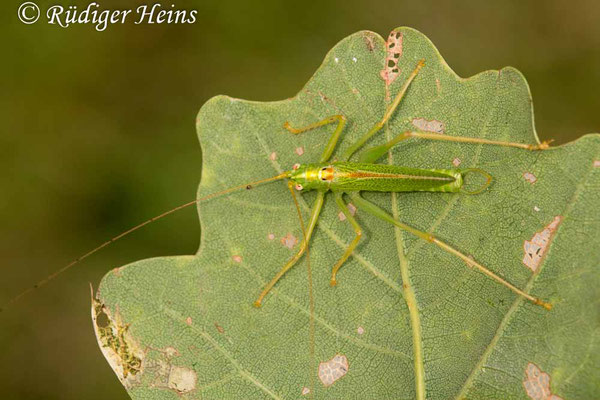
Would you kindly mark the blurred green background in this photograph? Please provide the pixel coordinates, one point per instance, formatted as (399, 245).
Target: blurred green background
(98, 135)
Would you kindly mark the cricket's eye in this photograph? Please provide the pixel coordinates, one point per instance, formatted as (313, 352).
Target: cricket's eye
(296, 166)
(326, 173)
(299, 187)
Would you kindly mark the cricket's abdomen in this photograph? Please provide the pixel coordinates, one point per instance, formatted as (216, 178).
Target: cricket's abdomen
(348, 177)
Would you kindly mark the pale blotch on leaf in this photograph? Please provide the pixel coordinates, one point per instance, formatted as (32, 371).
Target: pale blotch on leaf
(456, 162)
(536, 208)
(529, 177)
(171, 351)
(289, 241)
(536, 248)
(271, 236)
(332, 370)
(394, 51)
(596, 164)
(337, 60)
(360, 330)
(188, 321)
(433, 125)
(305, 391)
(351, 208)
(181, 379)
(273, 156)
(236, 258)
(299, 150)
(537, 384)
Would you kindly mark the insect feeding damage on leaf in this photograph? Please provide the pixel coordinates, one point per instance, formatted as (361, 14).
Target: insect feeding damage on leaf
(536, 248)
(529, 177)
(119, 347)
(332, 370)
(537, 384)
(289, 241)
(433, 125)
(391, 71)
(130, 361)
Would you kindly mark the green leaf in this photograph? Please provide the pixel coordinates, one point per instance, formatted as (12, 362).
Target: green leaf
(185, 326)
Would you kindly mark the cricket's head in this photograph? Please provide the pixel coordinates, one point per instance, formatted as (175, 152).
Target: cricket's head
(308, 176)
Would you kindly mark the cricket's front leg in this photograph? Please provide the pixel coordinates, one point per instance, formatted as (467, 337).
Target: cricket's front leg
(314, 216)
(388, 113)
(341, 122)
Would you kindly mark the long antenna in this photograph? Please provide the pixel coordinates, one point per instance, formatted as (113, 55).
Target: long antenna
(135, 228)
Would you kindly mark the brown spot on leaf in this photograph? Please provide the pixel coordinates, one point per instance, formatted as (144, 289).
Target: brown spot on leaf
(537, 384)
(219, 328)
(289, 241)
(536, 248)
(271, 236)
(456, 162)
(305, 391)
(188, 321)
(394, 51)
(433, 125)
(360, 330)
(273, 156)
(596, 164)
(369, 41)
(299, 150)
(236, 258)
(332, 370)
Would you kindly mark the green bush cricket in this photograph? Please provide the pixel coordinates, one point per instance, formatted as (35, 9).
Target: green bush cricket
(350, 178)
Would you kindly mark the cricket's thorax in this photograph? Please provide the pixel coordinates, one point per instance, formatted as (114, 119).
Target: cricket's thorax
(349, 177)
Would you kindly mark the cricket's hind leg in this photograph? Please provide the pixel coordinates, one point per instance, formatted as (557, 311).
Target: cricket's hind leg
(341, 122)
(357, 229)
(371, 208)
(374, 153)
